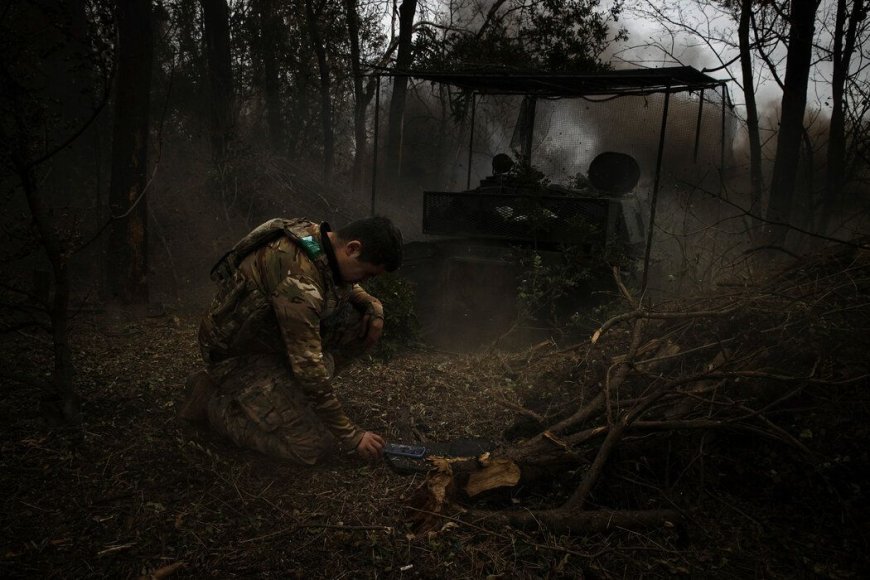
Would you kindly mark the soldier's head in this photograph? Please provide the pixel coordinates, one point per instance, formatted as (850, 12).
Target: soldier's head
(367, 247)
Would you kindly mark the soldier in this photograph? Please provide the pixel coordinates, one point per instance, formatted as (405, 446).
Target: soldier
(288, 314)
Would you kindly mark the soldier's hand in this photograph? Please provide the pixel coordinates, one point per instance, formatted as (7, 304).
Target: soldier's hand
(372, 323)
(374, 328)
(370, 446)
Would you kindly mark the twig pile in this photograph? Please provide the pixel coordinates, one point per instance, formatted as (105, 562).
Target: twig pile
(722, 362)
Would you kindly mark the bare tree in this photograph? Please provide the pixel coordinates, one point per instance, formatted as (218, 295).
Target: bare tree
(359, 97)
(127, 260)
(393, 153)
(727, 31)
(42, 42)
(216, 15)
(748, 78)
(846, 36)
(794, 99)
(269, 41)
(317, 43)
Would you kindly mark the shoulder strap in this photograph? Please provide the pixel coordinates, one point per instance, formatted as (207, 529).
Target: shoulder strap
(295, 229)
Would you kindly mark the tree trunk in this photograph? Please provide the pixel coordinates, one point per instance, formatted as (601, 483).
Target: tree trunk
(62, 404)
(359, 98)
(269, 40)
(755, 174)
(216, 15)
(67, 70)
(794, 99)
(127, 269)
(393, 153)
(844, 47)
(325, 87)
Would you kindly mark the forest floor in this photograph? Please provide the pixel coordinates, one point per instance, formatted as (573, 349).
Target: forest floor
(133, 492)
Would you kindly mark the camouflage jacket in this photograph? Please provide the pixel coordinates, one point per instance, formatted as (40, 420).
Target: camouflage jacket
(275, 287)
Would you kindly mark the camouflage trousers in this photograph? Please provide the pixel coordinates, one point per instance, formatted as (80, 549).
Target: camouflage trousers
(258, 404)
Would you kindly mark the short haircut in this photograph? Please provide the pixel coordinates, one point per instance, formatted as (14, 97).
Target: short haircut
(381, 241)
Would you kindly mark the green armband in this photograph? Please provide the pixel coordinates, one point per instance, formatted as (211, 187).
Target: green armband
(311, 246)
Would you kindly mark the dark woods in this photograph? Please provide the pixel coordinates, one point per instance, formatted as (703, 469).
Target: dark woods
(137, 135)
(139, 139)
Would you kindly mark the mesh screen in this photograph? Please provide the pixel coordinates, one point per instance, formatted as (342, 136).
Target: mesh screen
(570, 132)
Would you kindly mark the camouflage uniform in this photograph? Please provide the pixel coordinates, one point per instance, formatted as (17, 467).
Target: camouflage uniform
(281, 322)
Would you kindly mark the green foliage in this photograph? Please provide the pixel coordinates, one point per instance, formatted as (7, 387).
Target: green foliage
(265, 32)
(401, 325)
(570, 287)
(550, 286)
(552, 35)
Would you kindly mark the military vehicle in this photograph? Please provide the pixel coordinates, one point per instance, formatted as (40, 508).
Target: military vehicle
(481, 241)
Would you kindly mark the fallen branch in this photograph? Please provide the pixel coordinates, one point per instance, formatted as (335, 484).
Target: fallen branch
(596, 403)
(642, 313)
(522, 411)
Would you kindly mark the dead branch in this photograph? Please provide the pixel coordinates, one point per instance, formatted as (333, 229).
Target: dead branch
(712, 364)
(596, 403)
(522, 411)
(642, 313)
(678, 354)
(613, 437)
(623, 290)
(686, 424)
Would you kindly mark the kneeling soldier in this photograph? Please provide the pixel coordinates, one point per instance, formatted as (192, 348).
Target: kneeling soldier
(289, 312)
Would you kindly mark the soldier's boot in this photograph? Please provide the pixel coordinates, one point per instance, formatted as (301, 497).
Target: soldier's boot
(199, 388)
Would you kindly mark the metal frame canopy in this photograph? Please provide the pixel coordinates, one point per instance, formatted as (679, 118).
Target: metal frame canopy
(554, 85)
(606, 84)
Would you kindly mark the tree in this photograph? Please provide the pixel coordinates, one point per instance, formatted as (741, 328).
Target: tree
(404, 57)
(359, 97)
(269, 41)
(536, 35)
(319, 46)
(794, 100)
(793, 40)
(730, 33)
(127, 266)
(755, 172)
(216, 16)
(846, 36)
(42, 45)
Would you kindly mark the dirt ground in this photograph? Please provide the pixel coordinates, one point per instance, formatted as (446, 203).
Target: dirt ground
(132, 492)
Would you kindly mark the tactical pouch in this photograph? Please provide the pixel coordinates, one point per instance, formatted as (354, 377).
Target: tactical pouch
(239, 304)
(238, 301)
